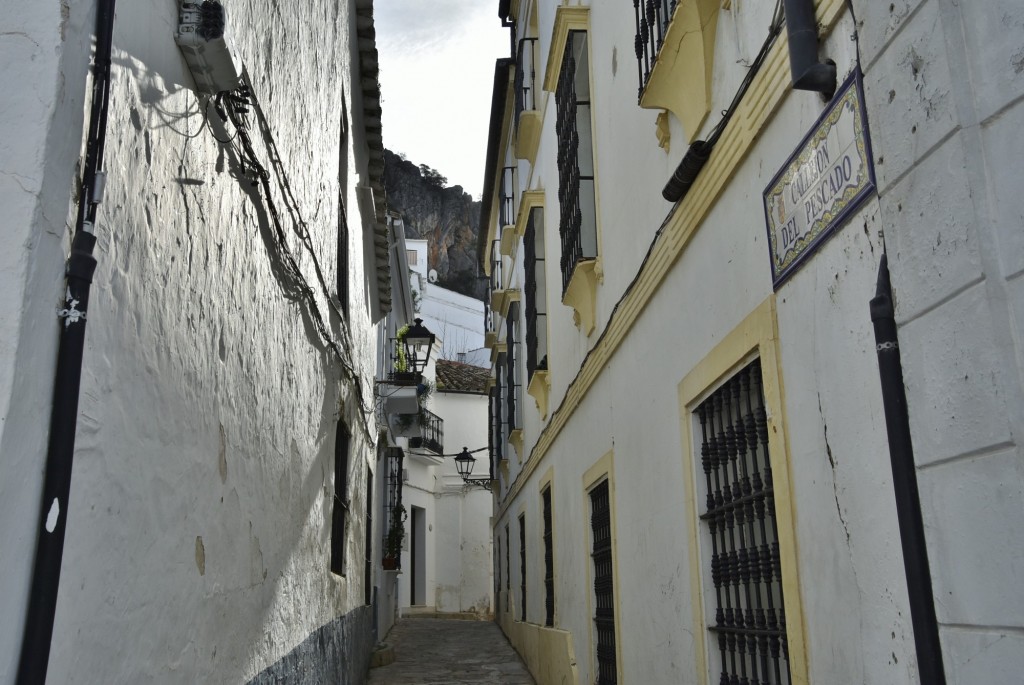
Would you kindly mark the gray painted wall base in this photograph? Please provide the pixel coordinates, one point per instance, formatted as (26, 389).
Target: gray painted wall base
(338, 653)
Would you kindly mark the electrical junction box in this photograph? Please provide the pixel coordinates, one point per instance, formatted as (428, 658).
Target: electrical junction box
(203, 40)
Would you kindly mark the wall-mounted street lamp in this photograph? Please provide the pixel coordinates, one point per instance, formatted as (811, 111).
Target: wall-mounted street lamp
(418, 343)
(464, 465)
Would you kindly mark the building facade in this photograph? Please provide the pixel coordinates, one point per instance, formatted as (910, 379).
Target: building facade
(692, 212)
(224, 452)
(436, 546)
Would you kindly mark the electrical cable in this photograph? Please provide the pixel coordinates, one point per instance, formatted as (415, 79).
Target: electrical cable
(774, 30)
(431, 454)
(235, 106)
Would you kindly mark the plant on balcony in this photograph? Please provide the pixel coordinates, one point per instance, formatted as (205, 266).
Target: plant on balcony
(393, 542)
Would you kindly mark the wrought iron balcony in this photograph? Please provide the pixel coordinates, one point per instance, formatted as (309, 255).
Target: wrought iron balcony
(652, 20)
(507, 209)
(526, 77)
(432, 438)
(497, 282)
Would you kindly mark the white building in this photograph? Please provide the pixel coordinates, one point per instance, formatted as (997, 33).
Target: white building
(699, 473)
(444, 559)
(223, 438)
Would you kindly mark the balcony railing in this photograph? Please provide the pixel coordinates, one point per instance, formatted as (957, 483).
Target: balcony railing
(652, 19)
(433, 433)
(507, 210)
(526, 77)
(497, 282)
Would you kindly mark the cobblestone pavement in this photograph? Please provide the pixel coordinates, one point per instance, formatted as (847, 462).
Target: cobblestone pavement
(432, 651)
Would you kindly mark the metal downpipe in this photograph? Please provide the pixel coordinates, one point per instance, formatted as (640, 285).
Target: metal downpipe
(42, 604)
(904, 481)
(802, 29)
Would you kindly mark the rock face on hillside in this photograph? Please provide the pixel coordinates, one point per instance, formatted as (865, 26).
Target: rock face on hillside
(446, 217)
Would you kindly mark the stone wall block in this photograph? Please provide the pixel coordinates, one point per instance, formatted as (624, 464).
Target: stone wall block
(878, 22)
(930, 227)
(908, 93)
(996, 66)
(1003, 149)
(950, 372)
(973, 517)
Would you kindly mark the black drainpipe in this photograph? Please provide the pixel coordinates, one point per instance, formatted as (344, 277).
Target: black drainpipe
(42, 603)
(904, 481)
(808, 72)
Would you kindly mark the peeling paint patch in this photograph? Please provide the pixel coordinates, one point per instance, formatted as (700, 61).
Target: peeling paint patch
(200, 555)
(53, 516)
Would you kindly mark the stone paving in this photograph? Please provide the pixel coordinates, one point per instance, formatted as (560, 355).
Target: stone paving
(450, 652)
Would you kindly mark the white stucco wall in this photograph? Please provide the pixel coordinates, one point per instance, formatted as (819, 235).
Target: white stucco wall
(464, 561)
(199, 528)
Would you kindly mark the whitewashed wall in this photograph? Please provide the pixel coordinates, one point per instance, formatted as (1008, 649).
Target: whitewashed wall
(200, 512)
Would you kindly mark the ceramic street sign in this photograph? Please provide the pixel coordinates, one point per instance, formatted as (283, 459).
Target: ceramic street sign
(822, 182)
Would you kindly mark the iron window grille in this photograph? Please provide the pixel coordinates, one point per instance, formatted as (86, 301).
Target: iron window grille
(368, 550)
(522, 567)
(652, 20)
(512, 383)
(535, 289)
(339, 511)
(750, 620)
(549, 561)
(497, 282)
(508, 569)
(493, 444)
(604, 589)
(497, 575)
(526, 77)
(578, 222)
(507, 208)
(393, 498)
(500, 414)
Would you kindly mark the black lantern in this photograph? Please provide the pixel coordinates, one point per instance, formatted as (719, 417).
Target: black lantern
(464, 463)
(418, 342)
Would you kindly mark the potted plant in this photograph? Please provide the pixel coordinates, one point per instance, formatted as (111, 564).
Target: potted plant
(393, 541)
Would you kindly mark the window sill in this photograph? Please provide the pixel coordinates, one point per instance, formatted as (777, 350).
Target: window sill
(508, 239)
(680, 80)
(498, 349)
(498, 299)
(515, 439)
(508, 296)
(490, 337)
(528, 136)
(539, 389)
(581, 294)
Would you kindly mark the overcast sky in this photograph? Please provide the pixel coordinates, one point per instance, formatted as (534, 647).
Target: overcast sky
(436, 77)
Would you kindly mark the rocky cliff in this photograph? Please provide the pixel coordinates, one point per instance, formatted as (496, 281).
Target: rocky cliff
(445, 216)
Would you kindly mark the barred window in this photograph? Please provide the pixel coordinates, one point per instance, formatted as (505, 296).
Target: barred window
(339, 510)
(368, 549)
(578, 225)
(549, 562)
(522, 567)
(512, 382)
(739, 520)
(535, 291)
(508, 572)
(604, 589)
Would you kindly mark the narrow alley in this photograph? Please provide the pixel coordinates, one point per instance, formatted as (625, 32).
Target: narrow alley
(449, 652)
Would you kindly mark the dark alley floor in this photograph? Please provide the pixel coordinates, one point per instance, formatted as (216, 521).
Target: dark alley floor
(432, 651)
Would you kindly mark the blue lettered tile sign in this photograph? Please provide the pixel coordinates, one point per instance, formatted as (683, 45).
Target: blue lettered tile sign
(822, 182)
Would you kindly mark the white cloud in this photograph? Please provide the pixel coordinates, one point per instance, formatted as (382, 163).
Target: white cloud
(437, 74)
